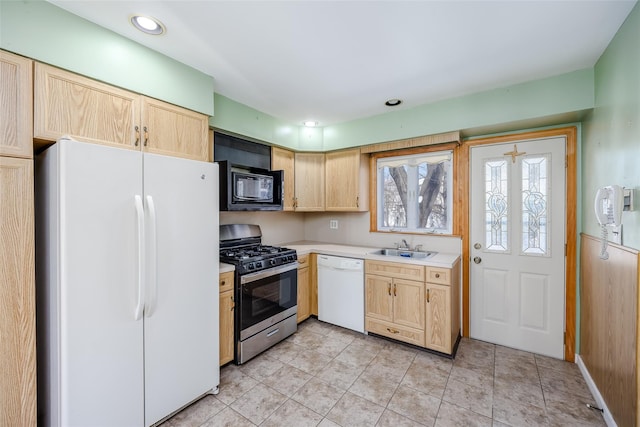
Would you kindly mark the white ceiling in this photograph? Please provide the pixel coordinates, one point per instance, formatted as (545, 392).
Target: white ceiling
(335, 61)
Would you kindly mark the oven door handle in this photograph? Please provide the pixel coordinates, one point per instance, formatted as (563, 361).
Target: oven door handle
(252, 277)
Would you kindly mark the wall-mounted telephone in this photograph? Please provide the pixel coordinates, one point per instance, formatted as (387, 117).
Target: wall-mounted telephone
(608, 204)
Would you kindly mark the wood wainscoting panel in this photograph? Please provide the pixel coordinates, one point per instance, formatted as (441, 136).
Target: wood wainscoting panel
(608, 325)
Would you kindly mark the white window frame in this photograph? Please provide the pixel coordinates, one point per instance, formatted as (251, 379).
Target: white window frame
(412, 213)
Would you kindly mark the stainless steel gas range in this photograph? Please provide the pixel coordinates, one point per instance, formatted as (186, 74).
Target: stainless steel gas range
(266, 289)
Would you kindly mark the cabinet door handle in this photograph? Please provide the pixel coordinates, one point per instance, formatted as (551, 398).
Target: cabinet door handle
(393, 331)
(389, 289)
(223, 283)
(357, 201)
(233, 304)
(427, 295)
(146, 135)
(394, 290)
(437, 275)
(137, 128)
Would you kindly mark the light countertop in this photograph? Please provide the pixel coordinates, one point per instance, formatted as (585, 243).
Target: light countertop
(225, 268)
(441, 259)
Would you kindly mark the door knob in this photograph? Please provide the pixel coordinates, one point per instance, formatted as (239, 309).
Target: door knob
(477, 246)
(477, 260)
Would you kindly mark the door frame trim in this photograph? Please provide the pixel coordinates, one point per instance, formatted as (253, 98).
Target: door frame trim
(571, 165)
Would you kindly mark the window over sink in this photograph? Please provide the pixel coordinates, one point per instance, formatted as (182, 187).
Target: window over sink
(414, 191)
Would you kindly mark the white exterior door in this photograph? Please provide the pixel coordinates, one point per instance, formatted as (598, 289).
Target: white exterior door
(517, 246)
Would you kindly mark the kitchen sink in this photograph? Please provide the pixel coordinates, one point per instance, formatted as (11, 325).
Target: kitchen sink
(405, 253)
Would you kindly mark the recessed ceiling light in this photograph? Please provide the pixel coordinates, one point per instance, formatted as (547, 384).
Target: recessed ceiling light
(147, 25)
(393, 102)
(310, 123)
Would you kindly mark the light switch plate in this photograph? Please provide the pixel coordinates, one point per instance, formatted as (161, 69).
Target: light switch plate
(333, 223)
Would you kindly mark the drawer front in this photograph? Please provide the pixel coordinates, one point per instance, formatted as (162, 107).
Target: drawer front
(303, 261)
(395, 270)
(226, 281)
(391, 330)
(439, 275)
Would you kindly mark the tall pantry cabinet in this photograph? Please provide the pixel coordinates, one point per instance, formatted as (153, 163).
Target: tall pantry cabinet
(17, 281)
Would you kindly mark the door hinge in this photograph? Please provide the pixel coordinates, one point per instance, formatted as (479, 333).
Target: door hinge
(565, 249)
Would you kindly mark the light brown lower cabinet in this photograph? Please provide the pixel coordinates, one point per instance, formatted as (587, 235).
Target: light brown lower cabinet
(17, 294)
(395, 308)
(442, 308)
(304, 289)
(227, 307)
(438, 300)
(402, 303)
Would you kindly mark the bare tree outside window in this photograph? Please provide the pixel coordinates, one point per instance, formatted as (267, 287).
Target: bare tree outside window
(395, 197)
(415, 192)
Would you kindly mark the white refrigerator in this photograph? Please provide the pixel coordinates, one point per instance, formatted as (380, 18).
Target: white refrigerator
(127, 284)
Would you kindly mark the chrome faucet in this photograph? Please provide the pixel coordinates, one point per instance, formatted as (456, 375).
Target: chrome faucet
(418, 248)
(405, 244)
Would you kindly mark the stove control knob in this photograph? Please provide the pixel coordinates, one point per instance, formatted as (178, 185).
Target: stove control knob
(259, 264)
(250, 266)
(272, 262)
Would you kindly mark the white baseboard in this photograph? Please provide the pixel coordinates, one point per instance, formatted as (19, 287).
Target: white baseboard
(595, 392)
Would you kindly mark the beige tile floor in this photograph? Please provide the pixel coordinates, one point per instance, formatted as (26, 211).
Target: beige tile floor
(326, 376)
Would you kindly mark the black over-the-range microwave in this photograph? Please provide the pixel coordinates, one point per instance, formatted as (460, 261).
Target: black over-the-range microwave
(244, 188)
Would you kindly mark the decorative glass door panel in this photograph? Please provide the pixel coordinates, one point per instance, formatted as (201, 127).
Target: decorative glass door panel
(535, 203)
(497, 205)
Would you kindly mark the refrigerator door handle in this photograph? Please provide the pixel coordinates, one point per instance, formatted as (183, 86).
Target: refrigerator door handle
(152, 257)
(140, 216)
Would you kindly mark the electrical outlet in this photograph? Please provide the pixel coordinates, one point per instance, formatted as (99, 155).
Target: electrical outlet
(333, 224)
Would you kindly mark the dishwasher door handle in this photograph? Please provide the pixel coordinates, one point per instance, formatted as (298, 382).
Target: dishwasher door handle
(342, 268)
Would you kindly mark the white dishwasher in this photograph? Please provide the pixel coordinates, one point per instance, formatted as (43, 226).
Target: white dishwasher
(341, 291)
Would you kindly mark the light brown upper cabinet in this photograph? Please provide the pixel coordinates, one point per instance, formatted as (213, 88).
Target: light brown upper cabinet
(17, 255)
(285, 160)
(346, 181)
(16, 113)
(69, 104)
(313, 182)
(309, 182)
(174, 131)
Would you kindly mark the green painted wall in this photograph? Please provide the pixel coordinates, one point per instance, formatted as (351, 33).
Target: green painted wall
(611, 133)
(539, 100)
(241, 119)
(45, 32)
(42, 31)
